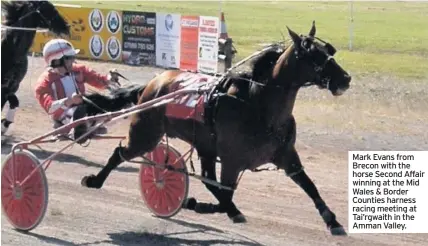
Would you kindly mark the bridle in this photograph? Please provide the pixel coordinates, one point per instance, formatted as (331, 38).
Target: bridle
(302, 52)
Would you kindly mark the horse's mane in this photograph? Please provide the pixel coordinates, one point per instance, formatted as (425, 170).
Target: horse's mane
(260, 66)
(250, 83)
(13, 11)
(263, 64)
(118, 98)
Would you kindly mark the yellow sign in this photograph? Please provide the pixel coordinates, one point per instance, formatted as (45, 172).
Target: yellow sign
(96, 32)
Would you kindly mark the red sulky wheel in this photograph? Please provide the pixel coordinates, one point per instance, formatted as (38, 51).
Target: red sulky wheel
(24, 205)
(164, 191)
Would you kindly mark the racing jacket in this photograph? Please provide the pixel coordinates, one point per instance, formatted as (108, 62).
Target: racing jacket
(53, 90)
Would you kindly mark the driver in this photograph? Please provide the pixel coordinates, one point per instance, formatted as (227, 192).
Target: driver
(60, 87)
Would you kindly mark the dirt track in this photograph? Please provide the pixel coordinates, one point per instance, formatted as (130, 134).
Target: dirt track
(376, 113)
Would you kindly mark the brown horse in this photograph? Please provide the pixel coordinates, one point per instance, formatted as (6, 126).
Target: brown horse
(250, 122)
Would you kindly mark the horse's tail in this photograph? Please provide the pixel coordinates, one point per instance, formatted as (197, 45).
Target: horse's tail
(118, 99)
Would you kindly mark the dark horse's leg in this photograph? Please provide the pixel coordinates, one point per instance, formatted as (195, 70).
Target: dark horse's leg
(12, 76)
(145, 132)
(4, 93)
(13, 106)
(226, 204)
(4, 123)
(289, 161)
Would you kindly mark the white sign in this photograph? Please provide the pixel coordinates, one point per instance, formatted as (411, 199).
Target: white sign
(209, 30)
(168, 40)
(388, 191)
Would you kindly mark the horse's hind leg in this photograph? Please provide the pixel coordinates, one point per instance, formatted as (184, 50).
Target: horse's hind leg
(10, 116)
(4, 123)
(289, 160)
(145, 133)
(4, 92)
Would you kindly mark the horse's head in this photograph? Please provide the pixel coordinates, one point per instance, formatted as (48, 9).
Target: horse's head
(41, 14)
(315, 63)
(49, 17)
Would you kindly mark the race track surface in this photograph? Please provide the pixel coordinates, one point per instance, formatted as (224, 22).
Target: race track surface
(278, 212)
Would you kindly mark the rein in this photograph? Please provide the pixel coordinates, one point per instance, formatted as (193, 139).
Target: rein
(93, 104)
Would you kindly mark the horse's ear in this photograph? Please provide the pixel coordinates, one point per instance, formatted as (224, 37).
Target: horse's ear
(295, 37)
(36, 3)
(313, 30)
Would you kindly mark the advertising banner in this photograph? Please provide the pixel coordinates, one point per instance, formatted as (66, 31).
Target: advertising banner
(97, 33)
(189, 43)
(168, 40)
(139, 38)
(208, 44)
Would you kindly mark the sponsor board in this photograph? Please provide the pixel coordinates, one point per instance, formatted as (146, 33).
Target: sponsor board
(189, 43)
(208, 44)
(168, 40)
(139, 38)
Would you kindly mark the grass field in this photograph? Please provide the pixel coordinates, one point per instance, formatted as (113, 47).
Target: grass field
(390, 38)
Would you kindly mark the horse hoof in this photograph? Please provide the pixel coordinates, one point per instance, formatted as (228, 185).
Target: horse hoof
(84, 181)
(89, 181)
(240, 218)
(189, 203)
(338, 231)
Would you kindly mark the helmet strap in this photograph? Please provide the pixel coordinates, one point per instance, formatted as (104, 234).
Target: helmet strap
(59, 63)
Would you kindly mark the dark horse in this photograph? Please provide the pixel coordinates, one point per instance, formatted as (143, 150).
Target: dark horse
(252, 123)
(16, 43)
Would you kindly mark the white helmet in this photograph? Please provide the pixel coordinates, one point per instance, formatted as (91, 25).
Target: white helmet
(55, 49)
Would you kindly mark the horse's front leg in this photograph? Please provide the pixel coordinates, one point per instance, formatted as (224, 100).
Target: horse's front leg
(289, 161)
(230, 170)
(224, 197)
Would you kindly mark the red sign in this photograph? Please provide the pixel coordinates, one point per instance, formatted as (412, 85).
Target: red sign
(189, 43)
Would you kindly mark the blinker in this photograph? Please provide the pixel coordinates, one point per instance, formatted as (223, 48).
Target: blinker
(330, 49)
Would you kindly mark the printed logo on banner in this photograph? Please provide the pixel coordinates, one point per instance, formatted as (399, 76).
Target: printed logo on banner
(96, 20)
(168, 40)
(96, 46)
(113, 48)
(169, 22)
(113, 22)
(78, 25)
